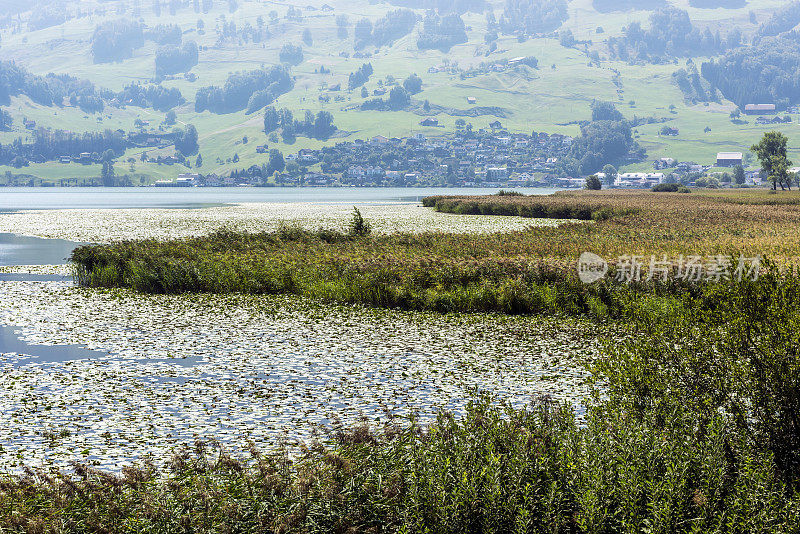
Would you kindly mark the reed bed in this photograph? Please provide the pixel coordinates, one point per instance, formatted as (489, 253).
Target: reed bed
(531, 271)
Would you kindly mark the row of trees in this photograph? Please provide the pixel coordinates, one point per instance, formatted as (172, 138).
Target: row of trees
(441, 33)
(671, 34)
(171, 59)
(444, 6)
(50, 144)
(360, 76)
(115, 40)
(151, 96)
(165, 34)
(319, 126)
(533, 16)
(235, 95)
(782, 20)
(398, 99)
(51, 89)
(386, 30)
(765, 72)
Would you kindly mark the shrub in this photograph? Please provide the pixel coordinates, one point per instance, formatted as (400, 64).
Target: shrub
(666, 188)
(593, 183)
(358, 226)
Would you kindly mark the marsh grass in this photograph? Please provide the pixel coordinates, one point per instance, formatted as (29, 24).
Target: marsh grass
(397, 271)
(529, 272)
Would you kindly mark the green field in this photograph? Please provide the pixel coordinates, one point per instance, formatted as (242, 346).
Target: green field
(549, 98)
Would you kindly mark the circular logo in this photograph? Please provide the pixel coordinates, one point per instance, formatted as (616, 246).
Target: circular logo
(591, 267)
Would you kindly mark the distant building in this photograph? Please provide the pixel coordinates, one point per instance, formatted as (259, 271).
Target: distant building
(261, 149)
(729, 159)
(759, 109)
(472, 100)
(496, 173)
(187, 179)
(663, 163)
(495, 125)
(429, 121)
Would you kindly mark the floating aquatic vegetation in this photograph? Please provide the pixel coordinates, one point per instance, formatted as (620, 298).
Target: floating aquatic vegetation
(237, 367)
(104, 225)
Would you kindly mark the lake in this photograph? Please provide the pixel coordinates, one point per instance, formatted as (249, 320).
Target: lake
(32, 198)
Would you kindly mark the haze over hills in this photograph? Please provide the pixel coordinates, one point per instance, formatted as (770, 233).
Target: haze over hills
(145, 78)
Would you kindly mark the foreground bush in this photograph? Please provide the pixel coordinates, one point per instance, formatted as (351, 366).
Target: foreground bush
(496, 470)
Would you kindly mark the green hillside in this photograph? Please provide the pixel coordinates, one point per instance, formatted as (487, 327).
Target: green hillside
(550, 98)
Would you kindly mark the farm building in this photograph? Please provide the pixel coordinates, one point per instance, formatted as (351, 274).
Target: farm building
(729, 159)
(429, 121)
(472, 100)
(759, 109)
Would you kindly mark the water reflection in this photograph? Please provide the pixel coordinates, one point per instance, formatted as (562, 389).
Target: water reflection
(24, 250)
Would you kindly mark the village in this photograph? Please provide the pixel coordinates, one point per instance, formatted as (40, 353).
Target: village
(485, 158)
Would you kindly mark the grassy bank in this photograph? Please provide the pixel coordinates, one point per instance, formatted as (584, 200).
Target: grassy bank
(695, 434)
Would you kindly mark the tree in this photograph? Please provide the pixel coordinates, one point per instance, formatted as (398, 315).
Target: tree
(593, 183)
(186, 142)
(771, 152)
(170, 118)
(605, 111)
(364, 92)
(358, 226)
(276, 163)
(107, 174)
(5, 120)
(199, 161)
(291, 54)
(398, 98)
(341, 26)
(307, 37)
(363, 31)
(323, 125)
(271, 119)
(610, 174)
(738, 175)
(413, 84)
(109, 155)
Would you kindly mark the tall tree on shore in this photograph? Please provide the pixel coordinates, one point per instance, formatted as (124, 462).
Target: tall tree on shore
(771, 152)
(738, 175)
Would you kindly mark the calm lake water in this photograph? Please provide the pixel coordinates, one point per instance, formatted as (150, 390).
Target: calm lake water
(31, 198)
(22, 250)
